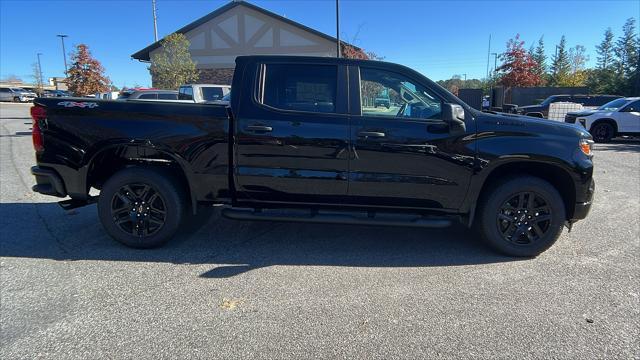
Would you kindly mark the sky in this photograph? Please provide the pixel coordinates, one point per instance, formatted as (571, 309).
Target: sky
(437, 38)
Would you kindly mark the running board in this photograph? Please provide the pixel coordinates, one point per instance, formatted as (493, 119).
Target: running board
(76, 203)
(337, 218)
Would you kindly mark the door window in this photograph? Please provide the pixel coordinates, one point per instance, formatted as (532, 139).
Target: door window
(388, 94)
(300, 87)
(168, 96)
(148, 96)
(633, 107)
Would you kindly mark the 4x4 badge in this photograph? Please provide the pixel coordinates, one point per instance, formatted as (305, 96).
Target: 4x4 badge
(80, 104)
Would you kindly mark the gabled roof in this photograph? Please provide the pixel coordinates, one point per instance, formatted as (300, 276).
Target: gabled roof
(144, 54)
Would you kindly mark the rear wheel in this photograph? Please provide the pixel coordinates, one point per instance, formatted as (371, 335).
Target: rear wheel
(522, 216)
(602, 132)
(141, 207)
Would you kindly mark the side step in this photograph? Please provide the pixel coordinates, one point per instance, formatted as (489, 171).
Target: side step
(75, 203)
(337, 218)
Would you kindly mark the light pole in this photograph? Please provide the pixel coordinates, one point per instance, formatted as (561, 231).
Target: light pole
(40, 83)
(155, 21)
(337, 28)
(64, 53)
(465, 80)
(495, 62)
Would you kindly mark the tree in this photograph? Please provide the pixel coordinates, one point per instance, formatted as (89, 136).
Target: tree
(603, 79)
(605, 51)
(37, 77)
(86, 74)
(560, 65)
(540, 58)
(352, 52)
(172, 66)
(518, 67)
(626, 51)
(11, 78)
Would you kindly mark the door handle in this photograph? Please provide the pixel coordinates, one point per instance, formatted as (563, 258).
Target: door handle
(375, 134)
(259, 128)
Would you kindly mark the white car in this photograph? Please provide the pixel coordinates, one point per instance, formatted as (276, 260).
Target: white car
(203, 93)
(16, 94)
(615, 118)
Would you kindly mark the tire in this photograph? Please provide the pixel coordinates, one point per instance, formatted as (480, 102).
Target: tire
(16, 99)
(512, 207)
(138, 196)
(602, 132)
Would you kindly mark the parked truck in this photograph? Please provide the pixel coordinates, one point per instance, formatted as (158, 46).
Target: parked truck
(296, 144)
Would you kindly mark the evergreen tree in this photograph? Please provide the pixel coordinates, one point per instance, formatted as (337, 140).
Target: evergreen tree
(605, 51)
(560, 66)
(626, 52)
(86, 74)
(541, 60)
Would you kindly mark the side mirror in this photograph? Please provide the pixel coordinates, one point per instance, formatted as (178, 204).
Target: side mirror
(453, 114)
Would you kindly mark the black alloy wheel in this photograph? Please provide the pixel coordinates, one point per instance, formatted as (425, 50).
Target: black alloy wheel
(138, 209)
(142, 207)
(602, 132)
(524, 218)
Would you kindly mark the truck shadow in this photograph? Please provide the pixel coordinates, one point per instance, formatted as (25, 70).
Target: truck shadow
(44, 230)
(620, 145)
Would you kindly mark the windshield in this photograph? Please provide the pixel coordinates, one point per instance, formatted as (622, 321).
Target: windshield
(613, 105)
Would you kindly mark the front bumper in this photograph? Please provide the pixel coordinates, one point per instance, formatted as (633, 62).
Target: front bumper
(48, 182)
(581, 209)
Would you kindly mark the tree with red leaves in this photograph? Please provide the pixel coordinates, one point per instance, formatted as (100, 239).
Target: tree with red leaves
(86, 74)
(518, 67)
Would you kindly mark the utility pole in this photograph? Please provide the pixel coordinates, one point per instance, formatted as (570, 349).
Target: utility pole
(337, 29)
(465, 80)
(155, 21)
(40, 82)
(64, 52)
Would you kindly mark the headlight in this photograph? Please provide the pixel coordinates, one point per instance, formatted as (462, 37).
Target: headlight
(586, 146)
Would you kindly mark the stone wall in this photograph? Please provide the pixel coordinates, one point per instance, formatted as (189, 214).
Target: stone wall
(216, 76)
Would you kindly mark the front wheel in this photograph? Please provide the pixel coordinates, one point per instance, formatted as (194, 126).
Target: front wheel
(141, 207)
(522, 216)
(602, 132)
(16, 99)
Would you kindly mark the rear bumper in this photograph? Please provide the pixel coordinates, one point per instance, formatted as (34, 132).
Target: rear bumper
(48, 182)
(581, 209)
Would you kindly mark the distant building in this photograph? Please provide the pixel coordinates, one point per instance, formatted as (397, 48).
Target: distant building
(59, 83)
(241, 28)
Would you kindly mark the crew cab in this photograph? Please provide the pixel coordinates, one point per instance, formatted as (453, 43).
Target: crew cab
(615, 118)
(296, 144)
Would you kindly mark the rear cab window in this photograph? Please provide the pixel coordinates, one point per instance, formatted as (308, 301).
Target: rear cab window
(211, 93)
(299, 87)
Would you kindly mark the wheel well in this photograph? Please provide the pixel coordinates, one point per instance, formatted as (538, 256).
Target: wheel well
(610, 121)
(109, 161)
(555, 175)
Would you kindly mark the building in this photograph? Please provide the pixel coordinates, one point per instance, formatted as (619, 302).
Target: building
(241, 28)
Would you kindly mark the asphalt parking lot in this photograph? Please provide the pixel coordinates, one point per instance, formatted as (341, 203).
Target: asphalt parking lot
(227, 289)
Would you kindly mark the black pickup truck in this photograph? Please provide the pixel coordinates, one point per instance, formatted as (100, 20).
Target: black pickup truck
(295, 144)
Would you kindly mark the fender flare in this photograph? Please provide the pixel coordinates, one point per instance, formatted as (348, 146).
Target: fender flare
(143, 144)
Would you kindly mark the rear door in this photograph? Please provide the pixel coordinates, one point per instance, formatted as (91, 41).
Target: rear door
(404, 155)
(292, 134)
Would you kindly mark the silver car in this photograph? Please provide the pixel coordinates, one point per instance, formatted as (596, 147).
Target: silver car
(16, 94)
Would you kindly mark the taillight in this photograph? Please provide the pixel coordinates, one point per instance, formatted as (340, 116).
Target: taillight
(38, 114)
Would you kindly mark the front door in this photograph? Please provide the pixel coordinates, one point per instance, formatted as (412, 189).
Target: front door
(629, 118)
(403, 155)
(292, 141)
